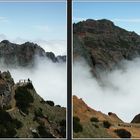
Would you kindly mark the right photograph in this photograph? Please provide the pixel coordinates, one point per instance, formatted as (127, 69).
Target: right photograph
(106, 69)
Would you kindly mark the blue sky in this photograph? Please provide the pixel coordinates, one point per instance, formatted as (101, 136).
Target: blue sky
(123, 14)
(36, 21)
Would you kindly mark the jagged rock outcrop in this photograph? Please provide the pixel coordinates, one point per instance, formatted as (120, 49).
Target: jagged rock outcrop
(6, 84)
(51, 56)
(23, 55)
(136, 119)
(104, 44)
(61, 58)
(54, 58)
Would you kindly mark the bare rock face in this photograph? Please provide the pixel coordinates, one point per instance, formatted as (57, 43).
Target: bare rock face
(6, 84)
(22, 55)
(103, 44)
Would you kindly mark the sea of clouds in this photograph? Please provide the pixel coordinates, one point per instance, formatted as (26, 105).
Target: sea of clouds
(117, 91)
(49, 79)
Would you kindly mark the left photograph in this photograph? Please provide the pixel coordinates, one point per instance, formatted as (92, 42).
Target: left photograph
(33, 72)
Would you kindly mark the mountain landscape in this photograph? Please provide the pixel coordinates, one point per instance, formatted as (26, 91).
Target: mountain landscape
(24, 113)
(106, 49)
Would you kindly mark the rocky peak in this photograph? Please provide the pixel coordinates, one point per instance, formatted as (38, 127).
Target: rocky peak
(104, 44)
(101, 25)
(136, 119)
(37, 50)
(5, 41)
(94, 26)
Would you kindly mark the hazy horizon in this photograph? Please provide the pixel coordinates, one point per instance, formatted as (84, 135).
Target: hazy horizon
(40, 22)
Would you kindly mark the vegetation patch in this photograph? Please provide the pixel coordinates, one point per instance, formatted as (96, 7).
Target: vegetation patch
(96, 125)
(43, 132)
(106, 124)
(8, 125)
(63, 128)
(23, 99)
(38, 113)
(58, 105)
(77, 127)
(122, 133)
(51, 103)
(94, 119)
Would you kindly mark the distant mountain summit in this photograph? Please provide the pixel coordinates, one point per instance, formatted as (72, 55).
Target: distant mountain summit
(103, 44)
(24, 54)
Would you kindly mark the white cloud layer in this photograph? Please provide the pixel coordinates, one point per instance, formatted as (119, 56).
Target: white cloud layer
(119, 91)
(49, 79)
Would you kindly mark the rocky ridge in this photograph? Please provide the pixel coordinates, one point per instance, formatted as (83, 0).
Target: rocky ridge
(25, 54)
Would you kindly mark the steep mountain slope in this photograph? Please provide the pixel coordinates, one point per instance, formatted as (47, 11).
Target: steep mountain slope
(89, 123)
(25, 114)
(103, 44)
(24, 54)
